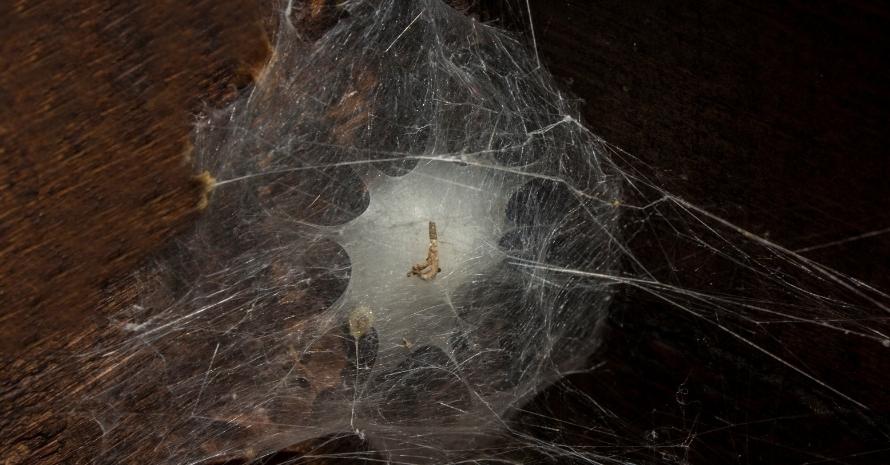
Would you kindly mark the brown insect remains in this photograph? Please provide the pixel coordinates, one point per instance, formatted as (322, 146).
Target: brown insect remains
(428, 269)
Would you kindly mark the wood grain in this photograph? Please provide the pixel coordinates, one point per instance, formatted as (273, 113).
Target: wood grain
(96, 105)
(98, 101)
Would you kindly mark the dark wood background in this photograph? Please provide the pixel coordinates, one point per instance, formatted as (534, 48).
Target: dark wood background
(772, 114)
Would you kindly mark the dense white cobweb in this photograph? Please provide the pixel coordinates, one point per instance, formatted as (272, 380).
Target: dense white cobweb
(289, 312)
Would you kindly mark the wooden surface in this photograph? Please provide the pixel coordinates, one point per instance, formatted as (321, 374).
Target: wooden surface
(96, 105)
(96, 111)
(774, 116)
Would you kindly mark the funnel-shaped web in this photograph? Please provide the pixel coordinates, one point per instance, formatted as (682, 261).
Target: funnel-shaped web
(293, 309)
(290, 312)
(468, 206)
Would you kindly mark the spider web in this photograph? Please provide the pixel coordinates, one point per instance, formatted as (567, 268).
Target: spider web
(288, 312)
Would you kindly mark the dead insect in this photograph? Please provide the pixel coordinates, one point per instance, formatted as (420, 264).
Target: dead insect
(360, 322)
(429, 268)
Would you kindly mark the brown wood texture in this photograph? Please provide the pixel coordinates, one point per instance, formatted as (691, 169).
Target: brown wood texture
(774, 116)
(96, 105)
